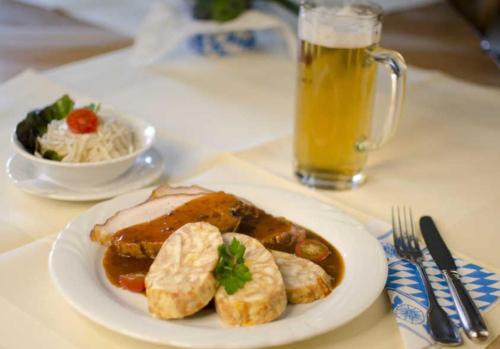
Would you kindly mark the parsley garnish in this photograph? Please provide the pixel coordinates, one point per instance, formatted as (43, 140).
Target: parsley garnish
(231, 271)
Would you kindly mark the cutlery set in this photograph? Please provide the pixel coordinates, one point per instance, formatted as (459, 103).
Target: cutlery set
(407, 246)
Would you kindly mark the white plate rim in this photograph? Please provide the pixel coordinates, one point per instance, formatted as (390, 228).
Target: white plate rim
(248, 338)
(66, 194)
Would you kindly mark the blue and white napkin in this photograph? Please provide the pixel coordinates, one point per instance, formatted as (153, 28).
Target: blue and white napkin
(407, 293)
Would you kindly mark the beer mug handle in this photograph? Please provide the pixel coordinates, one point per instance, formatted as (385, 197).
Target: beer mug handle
(397, 68)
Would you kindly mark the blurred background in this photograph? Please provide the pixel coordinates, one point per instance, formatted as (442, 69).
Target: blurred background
(459, 37)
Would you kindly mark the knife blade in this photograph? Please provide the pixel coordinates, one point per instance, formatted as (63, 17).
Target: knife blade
(436, 245)
(470, 317)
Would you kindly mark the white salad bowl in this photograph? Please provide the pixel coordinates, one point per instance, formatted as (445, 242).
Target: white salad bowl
(89, 174)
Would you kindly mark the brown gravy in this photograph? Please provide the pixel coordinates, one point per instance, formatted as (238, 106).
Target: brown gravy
(214, 208)
(228, 213)
(116, 265)
(333, 264)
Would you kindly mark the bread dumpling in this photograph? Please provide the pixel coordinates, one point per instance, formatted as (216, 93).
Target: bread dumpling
(180, 281)
(260, 300)
(305, 281)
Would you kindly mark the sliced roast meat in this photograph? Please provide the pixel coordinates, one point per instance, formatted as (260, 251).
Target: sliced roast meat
(141, 230)
(145, 239)
(141, 213)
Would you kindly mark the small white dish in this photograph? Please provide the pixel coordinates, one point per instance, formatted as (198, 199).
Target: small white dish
(75, 265)
(88, 174)
(145, 169)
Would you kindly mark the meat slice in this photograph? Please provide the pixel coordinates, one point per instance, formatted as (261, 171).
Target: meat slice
(266, 228)
(289, 236)
(141, 213)
(305, 281)
(145, 240)
(141, 230)
(165, 189)
(180, 281)
(260, 300)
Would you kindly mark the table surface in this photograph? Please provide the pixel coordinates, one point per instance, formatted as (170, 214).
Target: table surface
(431, 37)
(436, 148)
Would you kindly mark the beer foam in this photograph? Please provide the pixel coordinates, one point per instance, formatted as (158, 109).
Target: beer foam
(346, 27)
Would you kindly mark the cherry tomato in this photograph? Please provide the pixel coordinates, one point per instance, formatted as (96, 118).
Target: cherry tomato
(133, 282)
(82, 121)
(312, 249)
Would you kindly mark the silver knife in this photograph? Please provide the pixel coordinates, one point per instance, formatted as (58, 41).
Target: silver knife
(472, 321)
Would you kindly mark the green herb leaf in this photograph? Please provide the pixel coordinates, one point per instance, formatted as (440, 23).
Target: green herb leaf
(232, 284)
(60, 108)
(231, 271)
(237, 249)
(36, 121)
(52, 155)
(203, 9)
(226, 10)
(95, 107)
(242, 272)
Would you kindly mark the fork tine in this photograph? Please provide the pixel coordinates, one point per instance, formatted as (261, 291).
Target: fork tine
(394, 228)
(402, 231)
(396, 234)
(413, 234)
(409, 230)
(405, 218)
(394, 231)
(406, 235)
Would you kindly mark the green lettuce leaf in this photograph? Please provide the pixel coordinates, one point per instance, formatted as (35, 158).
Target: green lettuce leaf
(52, 155)
(36, 121)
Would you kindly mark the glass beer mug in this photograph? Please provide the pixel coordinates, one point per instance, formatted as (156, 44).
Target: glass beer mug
(338, 58)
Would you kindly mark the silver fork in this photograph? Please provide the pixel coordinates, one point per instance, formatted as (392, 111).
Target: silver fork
(406, 243)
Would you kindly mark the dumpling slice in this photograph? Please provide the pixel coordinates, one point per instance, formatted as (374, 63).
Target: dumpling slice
(180, 281)
(260, 300)
(305, 281)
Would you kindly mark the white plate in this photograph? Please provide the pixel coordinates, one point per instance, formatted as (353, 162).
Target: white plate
(147, 168)
(76, 268)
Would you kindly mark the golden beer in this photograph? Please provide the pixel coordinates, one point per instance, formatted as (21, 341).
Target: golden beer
(335, 92)
(337, 68)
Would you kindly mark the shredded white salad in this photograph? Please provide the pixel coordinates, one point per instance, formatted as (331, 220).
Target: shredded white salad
(111, 140)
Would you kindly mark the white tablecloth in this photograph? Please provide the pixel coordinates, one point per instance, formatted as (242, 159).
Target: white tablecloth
(233, 118)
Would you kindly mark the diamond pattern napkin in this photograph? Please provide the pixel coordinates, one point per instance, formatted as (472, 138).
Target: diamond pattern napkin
(407, 293)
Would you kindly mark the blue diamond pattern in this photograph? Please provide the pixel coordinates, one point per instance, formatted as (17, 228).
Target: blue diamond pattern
(223, 44)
